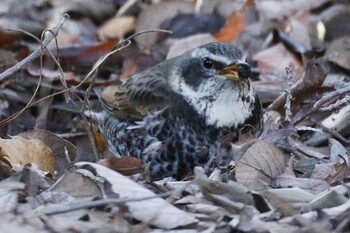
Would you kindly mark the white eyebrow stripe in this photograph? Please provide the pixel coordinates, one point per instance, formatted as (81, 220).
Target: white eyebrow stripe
(202, 52)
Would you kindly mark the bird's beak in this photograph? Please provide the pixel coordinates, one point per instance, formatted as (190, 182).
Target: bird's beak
(236, 71)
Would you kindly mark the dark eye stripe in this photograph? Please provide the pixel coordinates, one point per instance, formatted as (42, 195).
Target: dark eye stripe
(209, 63)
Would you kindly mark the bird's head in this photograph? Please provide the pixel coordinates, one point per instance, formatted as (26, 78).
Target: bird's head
(213, 60)
(214, 79)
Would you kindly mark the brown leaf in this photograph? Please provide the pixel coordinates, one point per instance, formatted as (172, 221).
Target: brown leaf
(64, 152)
(260, 165)
(341, 171)
(309, 85)
(21, 151)
(235, 24)
(5, 166)
(125, 165)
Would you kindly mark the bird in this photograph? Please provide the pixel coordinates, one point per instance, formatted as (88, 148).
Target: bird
(177, 114)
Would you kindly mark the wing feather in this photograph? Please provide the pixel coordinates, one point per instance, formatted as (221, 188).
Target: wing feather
(138, 95)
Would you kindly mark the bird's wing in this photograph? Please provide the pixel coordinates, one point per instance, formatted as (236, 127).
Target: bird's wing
(137, 96)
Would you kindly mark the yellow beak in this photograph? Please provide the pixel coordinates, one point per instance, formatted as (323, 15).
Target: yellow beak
(230, 72)
(237, 71)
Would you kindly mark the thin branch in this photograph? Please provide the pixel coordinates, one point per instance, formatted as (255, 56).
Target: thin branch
(127, 40)
(337, 104)
(92, 204)
(37, 52)
(330, 96)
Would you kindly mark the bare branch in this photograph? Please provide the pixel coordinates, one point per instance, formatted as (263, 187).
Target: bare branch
(37, 52)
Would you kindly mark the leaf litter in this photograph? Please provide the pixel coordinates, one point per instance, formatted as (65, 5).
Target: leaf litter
(294, 178)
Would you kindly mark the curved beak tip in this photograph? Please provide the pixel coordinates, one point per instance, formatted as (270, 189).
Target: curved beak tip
(236, 71)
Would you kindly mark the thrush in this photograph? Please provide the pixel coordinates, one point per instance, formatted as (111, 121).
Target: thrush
(175, 115)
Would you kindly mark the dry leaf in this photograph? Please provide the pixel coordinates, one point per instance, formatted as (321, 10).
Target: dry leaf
(21, 151)
(9, 195)
(288, 200)
(127, 165)
(182, 45)
(341, 171)
(231, 195)
(235, 24)
(155, 211)
(118, 27)
(64, 152)
(314, 186)
(339, 52)
(80, 184)
(338, 121)
(279, 10)
(277, 58)
(152, 17)
(260, 165)
(326, 200)
(5, 167)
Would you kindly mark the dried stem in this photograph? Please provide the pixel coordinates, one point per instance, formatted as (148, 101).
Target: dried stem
(289, 96)
(37, 52)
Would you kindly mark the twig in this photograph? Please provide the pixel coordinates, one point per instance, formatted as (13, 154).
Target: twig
(127, 40)
(337, 104)
(37, 52)
(332, 132)
(92, 204)
(330, 96)
(316, 71)
(40, 51)
(289, 96)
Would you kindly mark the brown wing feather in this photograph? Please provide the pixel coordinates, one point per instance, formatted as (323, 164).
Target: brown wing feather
(137, 96)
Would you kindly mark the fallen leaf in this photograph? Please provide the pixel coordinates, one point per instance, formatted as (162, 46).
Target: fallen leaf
(126, 166)
(79, 183)
(231, 195)
(21, 151)
(329, 199)
(235, 24)
(182, 45)
(288, 200)
(314, 186)
(5, 166)
(64, 152)
(152, 16)
(277, 58)
(341, 171)
(118, 27)
(9, 195)
(261, 163)
(338, 52)
(155, 211)
(279, 10)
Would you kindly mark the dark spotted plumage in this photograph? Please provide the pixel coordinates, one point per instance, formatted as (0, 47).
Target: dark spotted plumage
(176, 114)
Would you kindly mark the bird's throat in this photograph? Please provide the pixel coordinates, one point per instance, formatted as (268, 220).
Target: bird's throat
(225, 108)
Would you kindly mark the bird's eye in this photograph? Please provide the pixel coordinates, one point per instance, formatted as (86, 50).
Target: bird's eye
(207, 63)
